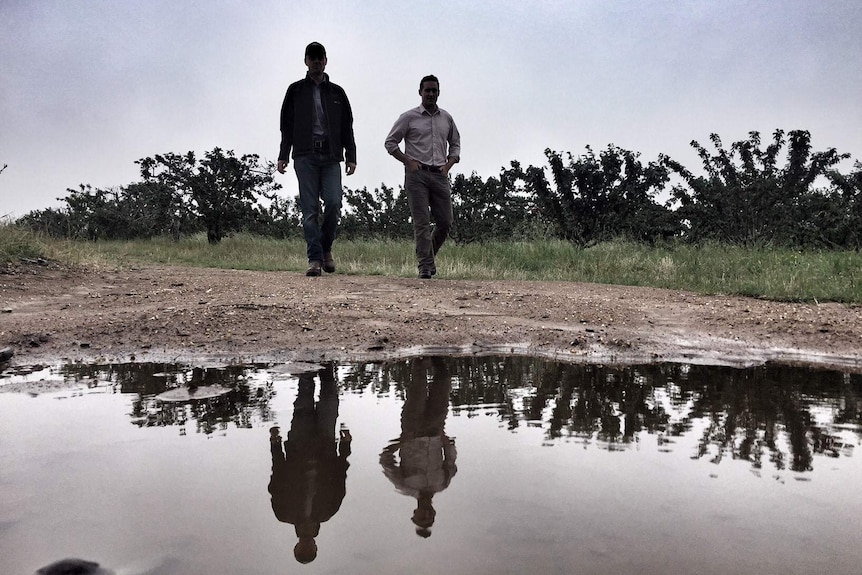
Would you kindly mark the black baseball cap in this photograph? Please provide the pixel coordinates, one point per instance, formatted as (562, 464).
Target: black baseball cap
(315, 49)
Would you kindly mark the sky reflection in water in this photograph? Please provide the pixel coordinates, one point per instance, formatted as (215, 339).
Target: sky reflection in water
(456, 465)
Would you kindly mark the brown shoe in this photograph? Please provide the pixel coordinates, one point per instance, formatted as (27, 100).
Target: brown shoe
(328, 263)
(313, 268)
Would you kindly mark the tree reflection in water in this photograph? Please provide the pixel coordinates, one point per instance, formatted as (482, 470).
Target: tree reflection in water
(770, 416)
(244, 402)
(766, 415)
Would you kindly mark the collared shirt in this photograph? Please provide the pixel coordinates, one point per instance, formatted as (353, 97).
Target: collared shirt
(427, 464)
(426, 136)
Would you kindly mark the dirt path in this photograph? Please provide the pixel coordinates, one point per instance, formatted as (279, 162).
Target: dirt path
(155, 313)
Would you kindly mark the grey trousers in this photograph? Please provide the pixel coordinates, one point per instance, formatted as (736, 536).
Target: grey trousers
(430, 198)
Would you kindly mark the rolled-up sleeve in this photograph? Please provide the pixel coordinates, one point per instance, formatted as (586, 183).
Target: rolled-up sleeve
(454, 140)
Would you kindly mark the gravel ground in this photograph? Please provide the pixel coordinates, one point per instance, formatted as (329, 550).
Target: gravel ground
(161, 313)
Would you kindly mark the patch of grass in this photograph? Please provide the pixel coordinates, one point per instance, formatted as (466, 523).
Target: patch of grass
(18, 244)
(769, 273)
(246, 251)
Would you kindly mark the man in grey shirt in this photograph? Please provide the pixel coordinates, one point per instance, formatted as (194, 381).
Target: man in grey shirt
(421, 462)
(432, 145)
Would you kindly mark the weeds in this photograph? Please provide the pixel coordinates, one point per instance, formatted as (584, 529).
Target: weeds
(769, 273)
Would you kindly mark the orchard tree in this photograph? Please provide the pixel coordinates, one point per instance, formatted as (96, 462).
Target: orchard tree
(846, 206)
(746, 196)
(221, 189)
(494, 209)
(383, 213)
(139, 210)
(600, 197)
(154, 208)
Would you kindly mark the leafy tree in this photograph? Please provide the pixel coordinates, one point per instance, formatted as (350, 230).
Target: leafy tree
(596, 198)
(140, 210)
(52, 222)
(222, 189)
(748, 194)
(94, 213)
(154, 208)
(282, 218)
(745, 197)
(845, 205)
(382, 213)
(494, 209)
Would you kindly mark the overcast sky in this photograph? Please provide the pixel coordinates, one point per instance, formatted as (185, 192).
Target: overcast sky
(88, 87)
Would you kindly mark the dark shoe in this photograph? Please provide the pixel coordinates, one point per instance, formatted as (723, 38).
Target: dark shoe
(313, 268)
(425, 274)
(328, 263)
(433, 270)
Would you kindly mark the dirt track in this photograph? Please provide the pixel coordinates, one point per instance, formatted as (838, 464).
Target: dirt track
(150, 313)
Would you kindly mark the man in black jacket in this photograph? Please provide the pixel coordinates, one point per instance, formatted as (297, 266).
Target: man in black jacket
(317, 124)
(309, 471)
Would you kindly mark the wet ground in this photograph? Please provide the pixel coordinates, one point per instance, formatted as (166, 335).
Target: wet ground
(431, 465)
(175, 313)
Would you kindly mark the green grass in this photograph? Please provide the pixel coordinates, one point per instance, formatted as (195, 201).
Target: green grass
(770, 273)
(17, 244)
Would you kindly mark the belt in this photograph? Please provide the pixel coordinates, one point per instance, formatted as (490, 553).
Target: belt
(434, 169)
(321, 146)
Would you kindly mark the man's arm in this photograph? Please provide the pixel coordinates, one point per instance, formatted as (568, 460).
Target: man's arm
(396, 135)
(454, 140)
(348, 140)
(287, 112)
(411, 164)
(451, 161)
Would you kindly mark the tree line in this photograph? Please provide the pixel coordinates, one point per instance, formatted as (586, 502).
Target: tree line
(777, 193)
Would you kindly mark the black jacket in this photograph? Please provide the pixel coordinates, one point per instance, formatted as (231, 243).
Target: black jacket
(297, 113)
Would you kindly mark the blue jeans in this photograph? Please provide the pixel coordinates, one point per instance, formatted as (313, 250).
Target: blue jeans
(319, 179)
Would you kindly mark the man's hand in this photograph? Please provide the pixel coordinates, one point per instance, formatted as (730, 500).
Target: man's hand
(448, 166)
(282, 164)
(349, 168)
(344, 435)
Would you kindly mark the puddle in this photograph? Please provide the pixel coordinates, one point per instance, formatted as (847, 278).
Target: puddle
(431, 465)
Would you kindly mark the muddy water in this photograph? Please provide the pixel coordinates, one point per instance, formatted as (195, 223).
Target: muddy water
(432, 465)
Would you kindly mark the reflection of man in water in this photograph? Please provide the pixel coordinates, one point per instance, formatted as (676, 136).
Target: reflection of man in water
(427, 454)
(308, 477)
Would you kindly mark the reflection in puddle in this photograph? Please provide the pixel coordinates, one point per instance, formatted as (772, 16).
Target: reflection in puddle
(559, 468)
(421, 462)
(310, 470)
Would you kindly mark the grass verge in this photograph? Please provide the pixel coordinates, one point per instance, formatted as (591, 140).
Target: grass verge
(769, 273)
